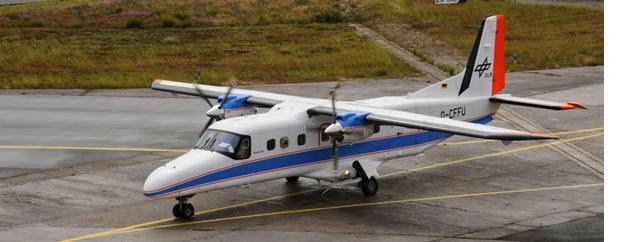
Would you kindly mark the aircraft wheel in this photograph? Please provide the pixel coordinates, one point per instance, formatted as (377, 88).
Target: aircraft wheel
(292, 179)
(369, 186)
(185, 210)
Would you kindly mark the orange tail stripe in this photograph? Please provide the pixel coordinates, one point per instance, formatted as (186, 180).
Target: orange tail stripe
(498, 57)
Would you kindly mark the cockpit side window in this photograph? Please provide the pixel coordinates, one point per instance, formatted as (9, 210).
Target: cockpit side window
(229, 144)
(244, 151)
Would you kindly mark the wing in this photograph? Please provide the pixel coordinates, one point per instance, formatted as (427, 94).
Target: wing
(418, 121)
(264, 99)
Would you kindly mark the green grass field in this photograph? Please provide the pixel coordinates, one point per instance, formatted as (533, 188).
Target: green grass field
(127, 43)
(110, 58)
(95, 44)
(542, 36)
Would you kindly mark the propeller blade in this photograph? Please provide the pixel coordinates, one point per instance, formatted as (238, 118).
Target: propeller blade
(335, 153)
(334, 137)
(206, 126)
(195, 85)
(232, 84)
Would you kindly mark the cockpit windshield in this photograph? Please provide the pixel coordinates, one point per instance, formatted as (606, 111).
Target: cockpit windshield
(229, 144)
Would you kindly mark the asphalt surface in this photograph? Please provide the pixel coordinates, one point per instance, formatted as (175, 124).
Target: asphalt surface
(459, 191)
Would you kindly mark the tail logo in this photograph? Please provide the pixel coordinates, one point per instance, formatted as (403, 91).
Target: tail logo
(481, 68)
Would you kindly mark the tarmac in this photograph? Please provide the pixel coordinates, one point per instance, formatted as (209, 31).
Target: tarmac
(73, 163)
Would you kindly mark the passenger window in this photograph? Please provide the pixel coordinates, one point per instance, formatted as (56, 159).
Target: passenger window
(302, 139)
(271, 144)
(376, 128)
(284, 142)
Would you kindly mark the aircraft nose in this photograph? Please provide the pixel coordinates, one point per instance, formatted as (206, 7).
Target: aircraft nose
(156, 181)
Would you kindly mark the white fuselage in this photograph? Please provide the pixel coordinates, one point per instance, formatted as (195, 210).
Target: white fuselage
(286, 142)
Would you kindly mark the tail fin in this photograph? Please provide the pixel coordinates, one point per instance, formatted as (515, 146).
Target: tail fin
(484, 73)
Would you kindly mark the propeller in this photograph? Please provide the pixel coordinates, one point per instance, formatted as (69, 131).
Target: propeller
(232, 84)
(195, 85)
(330, 130)
(212, 118)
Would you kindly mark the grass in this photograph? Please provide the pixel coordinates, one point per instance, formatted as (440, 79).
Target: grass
(538, 36)
(201, 13)
(123, 58)
(95, 44)
(122, 44)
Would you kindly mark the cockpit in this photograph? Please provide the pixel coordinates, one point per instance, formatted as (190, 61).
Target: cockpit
(229, 144)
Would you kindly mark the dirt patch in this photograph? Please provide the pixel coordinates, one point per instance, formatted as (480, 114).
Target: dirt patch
(580, 3)
(422, 45)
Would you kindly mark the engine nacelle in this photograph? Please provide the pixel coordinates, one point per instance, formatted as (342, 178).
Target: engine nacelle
(353, 134)
(350, 127)
(233, 106)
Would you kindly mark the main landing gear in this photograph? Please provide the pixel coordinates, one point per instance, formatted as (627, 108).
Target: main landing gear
(368, 185)
(183, 209)
(292, 179)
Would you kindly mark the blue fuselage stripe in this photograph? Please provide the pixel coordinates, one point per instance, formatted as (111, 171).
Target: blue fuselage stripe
(312, 156)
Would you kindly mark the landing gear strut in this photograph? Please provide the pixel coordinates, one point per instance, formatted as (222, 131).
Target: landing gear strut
(368, 185)
(183, 209)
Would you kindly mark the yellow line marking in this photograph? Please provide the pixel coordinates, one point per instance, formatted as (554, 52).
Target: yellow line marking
(150, 223)
(89, 148)
(185, 149)
(489, 141)
(356, 205)
(532, 147)
(578, 131)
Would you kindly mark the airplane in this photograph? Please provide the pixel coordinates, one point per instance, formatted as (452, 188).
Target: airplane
(335, 141)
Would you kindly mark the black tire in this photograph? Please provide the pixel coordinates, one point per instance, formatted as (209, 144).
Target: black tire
(185, 211)
(176, 211)
(369, 186)
(188, 211)
(292, 179)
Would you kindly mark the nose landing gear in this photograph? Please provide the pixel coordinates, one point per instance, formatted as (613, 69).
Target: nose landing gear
(183, 209)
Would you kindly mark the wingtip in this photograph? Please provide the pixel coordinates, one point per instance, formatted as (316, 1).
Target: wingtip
(572, 105)
(544, 135)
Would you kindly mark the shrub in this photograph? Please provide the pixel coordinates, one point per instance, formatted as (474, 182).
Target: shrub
(13, 15)
(382, 72)
(181, 15)
(186, 23)
(34, 23)
(170, 39)
(329, 16)
(212, 13)
(134, 23)
(168, 22)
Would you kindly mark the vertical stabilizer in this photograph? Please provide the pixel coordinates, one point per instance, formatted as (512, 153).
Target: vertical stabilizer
(484, 73)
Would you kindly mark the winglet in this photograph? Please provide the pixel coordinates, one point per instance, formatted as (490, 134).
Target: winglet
(572, 105)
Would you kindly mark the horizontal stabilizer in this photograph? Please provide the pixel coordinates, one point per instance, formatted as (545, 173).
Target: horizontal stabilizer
(528, 102)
